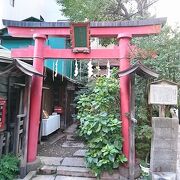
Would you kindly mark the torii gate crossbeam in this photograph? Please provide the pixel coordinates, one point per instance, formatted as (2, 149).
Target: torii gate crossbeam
(123, 31)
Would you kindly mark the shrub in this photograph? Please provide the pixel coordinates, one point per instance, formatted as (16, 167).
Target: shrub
(8, 167)
(98, 112)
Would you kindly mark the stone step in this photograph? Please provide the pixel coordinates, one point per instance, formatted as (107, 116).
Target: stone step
(44, 177)
(72, 178)
(71, 129)
(80, 153)
(72, 144)
(70, 137)
(73, 162)
(47, 170)
(74, 171)
(56, 161)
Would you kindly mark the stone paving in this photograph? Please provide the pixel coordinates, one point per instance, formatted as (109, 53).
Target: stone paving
(65, 168)
(69, 168)
(51, 177)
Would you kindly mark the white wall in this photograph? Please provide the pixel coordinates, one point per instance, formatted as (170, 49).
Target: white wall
(23, 9)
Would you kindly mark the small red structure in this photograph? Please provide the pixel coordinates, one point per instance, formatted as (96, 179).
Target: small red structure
(122, 30)
(2, 113)
(58, 109)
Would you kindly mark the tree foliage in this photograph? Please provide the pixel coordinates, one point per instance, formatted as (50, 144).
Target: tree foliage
(167, 64)
(166, 46)
(98, 10)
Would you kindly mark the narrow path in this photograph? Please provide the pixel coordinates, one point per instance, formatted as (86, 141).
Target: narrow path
(62, 155)
(60, 144)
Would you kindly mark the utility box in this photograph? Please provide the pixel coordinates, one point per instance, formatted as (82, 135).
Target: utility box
(2, 113)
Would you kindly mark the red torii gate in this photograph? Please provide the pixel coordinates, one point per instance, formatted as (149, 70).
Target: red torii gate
(122, 30)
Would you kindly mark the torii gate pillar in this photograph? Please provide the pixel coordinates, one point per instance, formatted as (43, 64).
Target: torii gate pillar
(124, 47)
(36, 95)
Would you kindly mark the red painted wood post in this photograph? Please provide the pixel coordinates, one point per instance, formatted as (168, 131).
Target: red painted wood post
(36, 94)
(124, 47)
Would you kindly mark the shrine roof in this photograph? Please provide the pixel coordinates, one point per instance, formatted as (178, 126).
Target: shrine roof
(140, 70)
(66, 24)
(21, 66)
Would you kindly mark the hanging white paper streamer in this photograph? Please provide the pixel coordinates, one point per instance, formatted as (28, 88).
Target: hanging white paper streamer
(76, 69)
(62, 70)
(90, 69)
(108, 70)
(98, 69)
(56, 69)
(53, 71)
(80, 70)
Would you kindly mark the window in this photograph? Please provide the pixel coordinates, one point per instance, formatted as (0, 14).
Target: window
(12, 2)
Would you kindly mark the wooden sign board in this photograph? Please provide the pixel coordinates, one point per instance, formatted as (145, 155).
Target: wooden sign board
(80, 37)
(163, 94)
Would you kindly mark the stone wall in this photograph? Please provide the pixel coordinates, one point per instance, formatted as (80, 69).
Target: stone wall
(164, 144)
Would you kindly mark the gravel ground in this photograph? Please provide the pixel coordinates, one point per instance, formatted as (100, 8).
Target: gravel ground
(46, 148)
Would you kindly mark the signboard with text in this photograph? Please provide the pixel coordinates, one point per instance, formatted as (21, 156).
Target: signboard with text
(163, 94)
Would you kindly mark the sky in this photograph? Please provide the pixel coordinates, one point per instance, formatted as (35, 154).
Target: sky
(169, 9)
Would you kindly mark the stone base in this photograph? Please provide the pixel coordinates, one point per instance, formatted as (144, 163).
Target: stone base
(33, 166)
(121, 174)
(124, 171)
